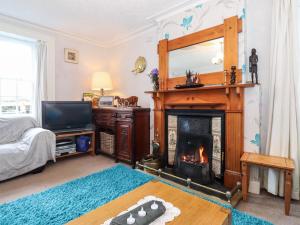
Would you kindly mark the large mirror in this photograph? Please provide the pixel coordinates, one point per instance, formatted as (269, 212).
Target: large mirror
(202, 58)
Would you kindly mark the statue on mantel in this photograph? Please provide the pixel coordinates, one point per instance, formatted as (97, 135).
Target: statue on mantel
(233, 75)
(253, 59)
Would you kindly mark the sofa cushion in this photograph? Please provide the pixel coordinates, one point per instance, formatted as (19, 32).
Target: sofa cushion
(12, 129)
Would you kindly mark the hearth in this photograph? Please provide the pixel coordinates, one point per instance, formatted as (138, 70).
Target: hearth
(195, 144)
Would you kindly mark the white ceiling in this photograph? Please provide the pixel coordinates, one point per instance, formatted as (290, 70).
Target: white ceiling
(105, 22)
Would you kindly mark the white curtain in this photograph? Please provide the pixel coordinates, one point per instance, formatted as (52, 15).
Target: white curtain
(40, 89)
(283, 125)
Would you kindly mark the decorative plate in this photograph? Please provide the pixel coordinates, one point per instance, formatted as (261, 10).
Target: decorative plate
(140, 65)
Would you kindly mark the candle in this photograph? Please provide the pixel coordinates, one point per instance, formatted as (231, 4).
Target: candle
(154, 206)
(130, 220)
(142, 212)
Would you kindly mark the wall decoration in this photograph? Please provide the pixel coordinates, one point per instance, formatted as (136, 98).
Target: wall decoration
(140, 65)
(71, 55)
(186, 22)
(256, 140)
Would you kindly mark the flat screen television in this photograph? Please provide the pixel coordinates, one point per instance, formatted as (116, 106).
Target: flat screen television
(65, 116)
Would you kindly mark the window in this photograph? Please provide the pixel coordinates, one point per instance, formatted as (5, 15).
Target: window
(17, 75)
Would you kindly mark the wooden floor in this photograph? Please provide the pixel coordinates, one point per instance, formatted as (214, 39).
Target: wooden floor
(264, 206)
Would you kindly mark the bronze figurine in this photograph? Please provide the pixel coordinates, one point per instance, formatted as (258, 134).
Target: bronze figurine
(253, 59)
(233, 75)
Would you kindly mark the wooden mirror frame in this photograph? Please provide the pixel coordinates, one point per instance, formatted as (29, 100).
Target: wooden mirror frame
(229, 30)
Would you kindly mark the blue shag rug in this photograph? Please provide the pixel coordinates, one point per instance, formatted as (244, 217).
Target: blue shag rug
(68, 201)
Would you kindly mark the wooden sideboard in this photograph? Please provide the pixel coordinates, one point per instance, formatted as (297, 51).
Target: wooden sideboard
(130, 127)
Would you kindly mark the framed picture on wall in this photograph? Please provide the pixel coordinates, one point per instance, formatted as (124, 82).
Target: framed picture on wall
(71, 55)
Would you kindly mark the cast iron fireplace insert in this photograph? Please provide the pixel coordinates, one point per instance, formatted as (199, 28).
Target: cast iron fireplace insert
(197, 139)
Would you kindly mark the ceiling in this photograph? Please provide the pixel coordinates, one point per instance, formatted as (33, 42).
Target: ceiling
(104, 22)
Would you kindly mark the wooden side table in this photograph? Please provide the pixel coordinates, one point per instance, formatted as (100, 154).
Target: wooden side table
(273, 162)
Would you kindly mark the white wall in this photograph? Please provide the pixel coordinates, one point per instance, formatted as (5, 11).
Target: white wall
(121, 63)
(71, 80)
(74, 79)
(259, 37)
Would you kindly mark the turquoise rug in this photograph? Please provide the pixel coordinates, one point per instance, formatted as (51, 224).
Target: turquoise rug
(68, 201)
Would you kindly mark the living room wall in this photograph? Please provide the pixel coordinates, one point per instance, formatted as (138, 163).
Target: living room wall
(71, 80)
(74, 79)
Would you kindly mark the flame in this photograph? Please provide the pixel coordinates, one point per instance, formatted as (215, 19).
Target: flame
(202, 155)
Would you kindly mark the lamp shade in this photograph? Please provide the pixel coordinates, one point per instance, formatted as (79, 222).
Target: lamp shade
(101, 81)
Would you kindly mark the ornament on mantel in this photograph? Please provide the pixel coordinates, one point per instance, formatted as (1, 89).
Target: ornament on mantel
(253, 60)
(233, 75)
(154, 76)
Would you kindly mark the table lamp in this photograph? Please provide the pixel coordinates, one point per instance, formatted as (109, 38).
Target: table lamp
(101, 81)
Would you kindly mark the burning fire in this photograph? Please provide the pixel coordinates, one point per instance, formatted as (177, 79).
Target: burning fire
(199, 156)
(202, 155)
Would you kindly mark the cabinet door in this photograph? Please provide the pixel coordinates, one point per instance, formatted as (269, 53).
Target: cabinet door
(124, 140)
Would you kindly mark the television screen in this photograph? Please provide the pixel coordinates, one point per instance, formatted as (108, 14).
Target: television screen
(66, 116)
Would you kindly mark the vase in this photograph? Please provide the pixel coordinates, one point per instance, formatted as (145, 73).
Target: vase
(155, 87)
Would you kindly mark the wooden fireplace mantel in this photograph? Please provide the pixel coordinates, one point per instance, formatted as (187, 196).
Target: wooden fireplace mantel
(227, 98)
(216, 94)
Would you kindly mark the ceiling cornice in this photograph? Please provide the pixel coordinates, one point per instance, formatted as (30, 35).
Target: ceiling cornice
(25, 23)
(154, 20)
(180, 7)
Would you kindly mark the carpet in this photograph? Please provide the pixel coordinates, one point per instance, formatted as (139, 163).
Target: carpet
(65, 202)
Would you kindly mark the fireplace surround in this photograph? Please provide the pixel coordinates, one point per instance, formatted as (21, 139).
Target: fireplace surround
(216, 94)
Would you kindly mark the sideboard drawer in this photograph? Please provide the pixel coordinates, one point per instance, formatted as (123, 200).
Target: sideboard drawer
(124, 116)
(105, 119)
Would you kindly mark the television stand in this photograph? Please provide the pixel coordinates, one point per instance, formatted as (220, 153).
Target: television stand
(91, 134)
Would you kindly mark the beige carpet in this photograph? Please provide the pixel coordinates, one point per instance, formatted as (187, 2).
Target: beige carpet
(264, 206)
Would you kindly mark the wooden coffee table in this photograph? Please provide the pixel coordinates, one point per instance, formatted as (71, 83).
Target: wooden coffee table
(194, 210)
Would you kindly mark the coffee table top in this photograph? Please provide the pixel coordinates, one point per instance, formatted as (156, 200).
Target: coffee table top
(194, 210)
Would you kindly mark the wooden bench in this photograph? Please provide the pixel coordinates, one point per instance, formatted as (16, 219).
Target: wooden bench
(273, 162)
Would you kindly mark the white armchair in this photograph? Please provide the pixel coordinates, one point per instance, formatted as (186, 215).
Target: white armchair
(23, 146)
